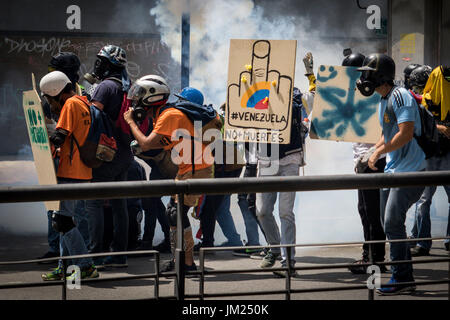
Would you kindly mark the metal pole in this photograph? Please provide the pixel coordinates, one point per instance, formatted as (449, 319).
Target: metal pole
(371, 291)
(179, 252)
(288, 273)
(185, 47)
(157, 276)
(64, 284)
(202, 275)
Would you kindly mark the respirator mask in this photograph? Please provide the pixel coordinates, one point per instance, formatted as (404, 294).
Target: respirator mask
(367, 83)
(139, 112)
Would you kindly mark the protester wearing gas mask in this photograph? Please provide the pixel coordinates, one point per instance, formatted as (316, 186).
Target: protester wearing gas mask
(171, 122)
(69, 64)
(110, 70)
(73, 123)
(400, 120)
(368, 200)
(434, 85)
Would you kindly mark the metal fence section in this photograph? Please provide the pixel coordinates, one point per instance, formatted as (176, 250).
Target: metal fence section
(135, 189)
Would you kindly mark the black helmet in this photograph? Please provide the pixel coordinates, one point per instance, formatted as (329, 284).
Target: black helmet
(111, 62)
(419, 76)
(377, 69)
(407, 73)
(354, 60)
(410, 69)
(66, 62)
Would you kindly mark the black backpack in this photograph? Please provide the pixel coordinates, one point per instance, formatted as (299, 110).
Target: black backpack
(429, 137)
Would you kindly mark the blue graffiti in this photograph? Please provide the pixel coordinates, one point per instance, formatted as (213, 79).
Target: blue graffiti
(345, 113)
(333, 74)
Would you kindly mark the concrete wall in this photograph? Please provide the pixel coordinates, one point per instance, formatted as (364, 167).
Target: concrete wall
(408, 29)
(445, 34)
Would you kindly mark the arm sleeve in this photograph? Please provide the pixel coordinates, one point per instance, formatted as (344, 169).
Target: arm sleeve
(67, 118)
(101, 94)
(405, 107)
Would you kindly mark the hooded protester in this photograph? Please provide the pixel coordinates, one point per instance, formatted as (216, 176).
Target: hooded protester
(110, 70)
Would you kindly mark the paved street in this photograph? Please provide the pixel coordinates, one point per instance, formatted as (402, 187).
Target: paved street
(20, 248)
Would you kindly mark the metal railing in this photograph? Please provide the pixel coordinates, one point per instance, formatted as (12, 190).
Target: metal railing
(222, 186)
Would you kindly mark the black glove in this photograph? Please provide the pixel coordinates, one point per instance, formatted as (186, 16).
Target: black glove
(58, 138)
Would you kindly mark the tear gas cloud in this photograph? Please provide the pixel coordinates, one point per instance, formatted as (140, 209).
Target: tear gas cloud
(213, 24)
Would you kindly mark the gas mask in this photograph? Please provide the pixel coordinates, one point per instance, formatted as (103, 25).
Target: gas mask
(367, 83)
(139, 112)
(101, 69)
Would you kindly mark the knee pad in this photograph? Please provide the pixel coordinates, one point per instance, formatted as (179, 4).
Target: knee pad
(62, 223)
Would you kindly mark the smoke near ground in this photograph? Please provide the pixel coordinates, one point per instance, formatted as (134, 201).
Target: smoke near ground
(323, 27)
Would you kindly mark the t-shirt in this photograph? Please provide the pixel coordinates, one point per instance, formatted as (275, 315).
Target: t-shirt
(110, 94)
(437, 90)
(410, 157)
(173, 123)
(76, 120)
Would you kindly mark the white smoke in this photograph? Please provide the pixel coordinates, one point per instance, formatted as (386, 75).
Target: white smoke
(213, 23)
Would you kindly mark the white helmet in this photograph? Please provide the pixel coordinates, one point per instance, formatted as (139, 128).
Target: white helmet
(53, 83)
(150, 90)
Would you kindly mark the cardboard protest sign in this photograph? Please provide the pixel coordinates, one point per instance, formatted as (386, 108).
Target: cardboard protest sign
(341, 112)
(40, 145)
(259, 91)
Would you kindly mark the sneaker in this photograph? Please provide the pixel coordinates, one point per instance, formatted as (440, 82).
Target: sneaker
(187, 268)
(89, 273)
(259, 255)
(418, 251)
(391, 291)
(245, 252)
(200, 245)
(282, 274)
(412, 244)
(168, 266)
(358, 269)
(269, 260)
(230, 244)
(163, 247)
(115, 262)
(55, 275)
(49, 254)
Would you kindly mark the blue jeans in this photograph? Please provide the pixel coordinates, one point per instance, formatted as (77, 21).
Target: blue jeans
(265, 203)
(154, 210)
(52, 235)
(81, 220)
(108, 172)
(226, 223)
(395, 203)
(250, 221)
(422, 223)
(72, 242)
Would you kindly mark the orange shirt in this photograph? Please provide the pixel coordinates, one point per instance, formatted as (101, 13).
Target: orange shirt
(167, 124)
(76, 120)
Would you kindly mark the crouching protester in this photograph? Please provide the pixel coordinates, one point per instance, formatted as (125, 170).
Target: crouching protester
(173, 130)
(400, 120)
(73, 123)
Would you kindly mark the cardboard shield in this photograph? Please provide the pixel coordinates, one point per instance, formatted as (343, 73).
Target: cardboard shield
(40, 145)
(259, 91)
(341, 112)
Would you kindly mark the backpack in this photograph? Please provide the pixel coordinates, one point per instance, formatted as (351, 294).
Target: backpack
(100, 145)
(299, 131)
(195, 112)
(429, 137)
